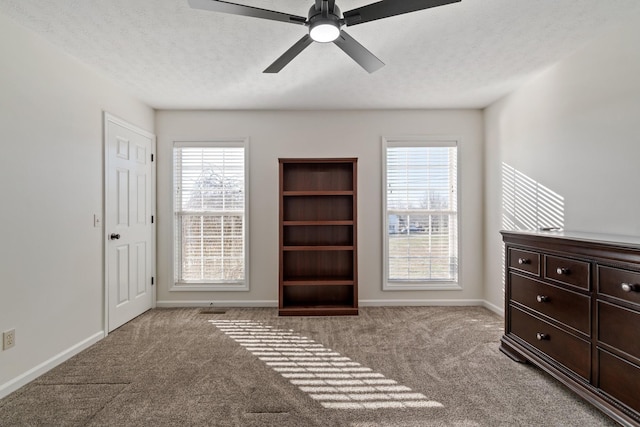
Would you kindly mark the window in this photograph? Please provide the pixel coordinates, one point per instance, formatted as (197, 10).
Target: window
(210, 215)
(420, 214)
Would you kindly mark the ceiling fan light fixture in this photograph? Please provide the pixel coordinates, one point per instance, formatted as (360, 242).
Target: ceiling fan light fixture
(324, 31)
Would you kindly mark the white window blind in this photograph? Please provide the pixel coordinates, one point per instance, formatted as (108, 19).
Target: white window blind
(421, 218)
(210, 214)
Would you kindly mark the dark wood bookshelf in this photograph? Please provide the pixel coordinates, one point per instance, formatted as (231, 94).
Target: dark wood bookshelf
(318, 237)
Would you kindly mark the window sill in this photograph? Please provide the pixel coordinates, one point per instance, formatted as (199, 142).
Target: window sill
(216, 287)
(421, 286)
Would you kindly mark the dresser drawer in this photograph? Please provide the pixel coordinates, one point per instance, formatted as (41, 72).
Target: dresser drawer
(570, 308)
(570, 351)
(619, 379)
(524, 261)
(619, 283)
(565, 270)
(619, 328)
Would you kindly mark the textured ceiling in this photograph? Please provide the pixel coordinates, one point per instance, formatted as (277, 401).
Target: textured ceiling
(464, 55)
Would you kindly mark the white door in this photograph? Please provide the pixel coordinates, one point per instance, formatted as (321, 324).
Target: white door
(129, 222)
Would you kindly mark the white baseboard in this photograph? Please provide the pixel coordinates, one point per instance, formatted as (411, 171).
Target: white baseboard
(13, 385)
(361, 303)
(196, 304)
(419, 302)
(433, 303)
(494, 308)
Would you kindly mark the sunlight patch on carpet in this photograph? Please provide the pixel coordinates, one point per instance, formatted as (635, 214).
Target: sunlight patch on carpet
(334, 381)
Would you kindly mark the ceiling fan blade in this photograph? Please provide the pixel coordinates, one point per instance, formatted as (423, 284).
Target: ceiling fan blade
(358, 53)
(387, 8)
(239, 9)
(288, 56)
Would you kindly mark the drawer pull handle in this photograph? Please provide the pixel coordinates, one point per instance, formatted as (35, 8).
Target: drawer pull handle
(542, 298)
(629, 287)
(523, 261)
(542, 337)
(562, 270)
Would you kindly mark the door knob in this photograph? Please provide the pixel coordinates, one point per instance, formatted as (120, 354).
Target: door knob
(114, 236)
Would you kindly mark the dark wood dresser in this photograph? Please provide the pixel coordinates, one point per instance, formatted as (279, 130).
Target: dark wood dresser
(572, 307)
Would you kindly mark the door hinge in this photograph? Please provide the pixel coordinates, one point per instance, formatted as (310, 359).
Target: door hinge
(152, 157)
(152, 281)
(151, 219)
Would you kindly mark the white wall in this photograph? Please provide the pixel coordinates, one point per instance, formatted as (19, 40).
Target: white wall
(51, 184)
(322, 134)
(574, 130)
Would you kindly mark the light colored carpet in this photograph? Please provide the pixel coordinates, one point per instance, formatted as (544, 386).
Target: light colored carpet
(175, 367)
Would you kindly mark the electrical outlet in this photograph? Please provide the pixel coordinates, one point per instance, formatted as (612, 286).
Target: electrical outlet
(8, 339)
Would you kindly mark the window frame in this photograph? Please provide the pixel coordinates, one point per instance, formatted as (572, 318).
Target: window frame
(240, 285)
(416, 285)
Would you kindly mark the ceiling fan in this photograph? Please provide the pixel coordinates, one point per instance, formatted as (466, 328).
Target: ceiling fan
(325, 24)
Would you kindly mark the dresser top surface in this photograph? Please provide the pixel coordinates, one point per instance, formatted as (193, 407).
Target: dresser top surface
(593, 238)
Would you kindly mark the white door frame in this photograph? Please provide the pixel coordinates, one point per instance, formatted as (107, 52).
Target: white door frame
(107, 117)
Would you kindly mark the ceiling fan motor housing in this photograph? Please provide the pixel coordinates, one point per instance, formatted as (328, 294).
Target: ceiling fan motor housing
(324, 27)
